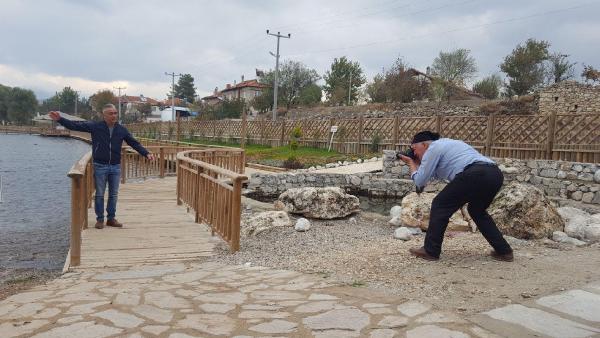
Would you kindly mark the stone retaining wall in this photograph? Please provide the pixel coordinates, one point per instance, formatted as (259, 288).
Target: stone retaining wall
(571, 180)
(569, 96)
(567, 180)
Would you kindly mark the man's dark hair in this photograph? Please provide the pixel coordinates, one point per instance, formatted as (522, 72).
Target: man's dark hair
(425, 135)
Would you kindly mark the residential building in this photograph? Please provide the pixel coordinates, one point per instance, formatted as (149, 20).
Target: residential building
(246, 90)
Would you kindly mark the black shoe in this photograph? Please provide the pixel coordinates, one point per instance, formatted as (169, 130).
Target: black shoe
(421, 253)
(508, 257)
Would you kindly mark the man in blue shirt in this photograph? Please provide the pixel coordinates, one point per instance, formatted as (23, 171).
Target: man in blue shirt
(474, 179)
(107, 138)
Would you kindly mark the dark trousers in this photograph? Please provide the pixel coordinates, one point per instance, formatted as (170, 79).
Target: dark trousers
(477, 185)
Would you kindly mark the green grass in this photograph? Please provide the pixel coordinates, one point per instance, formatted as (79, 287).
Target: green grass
(308, 156)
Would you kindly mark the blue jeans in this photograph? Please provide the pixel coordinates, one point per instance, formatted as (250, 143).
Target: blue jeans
(111, 174)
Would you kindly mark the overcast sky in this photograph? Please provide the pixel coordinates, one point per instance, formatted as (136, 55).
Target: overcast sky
(100, 44)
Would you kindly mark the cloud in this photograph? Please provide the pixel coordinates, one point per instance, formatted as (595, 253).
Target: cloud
(102, 42)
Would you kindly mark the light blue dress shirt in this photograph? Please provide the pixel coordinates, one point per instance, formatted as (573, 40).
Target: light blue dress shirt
(444, 159)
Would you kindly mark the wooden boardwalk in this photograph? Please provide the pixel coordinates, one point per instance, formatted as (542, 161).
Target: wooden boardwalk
(156, 229)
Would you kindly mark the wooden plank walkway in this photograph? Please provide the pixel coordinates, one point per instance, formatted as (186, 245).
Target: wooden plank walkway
(156, 229)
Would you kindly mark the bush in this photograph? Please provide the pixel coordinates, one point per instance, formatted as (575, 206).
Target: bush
(292, 163)
(488, 87)
(294, 145)
(297, 132)
(375, 142)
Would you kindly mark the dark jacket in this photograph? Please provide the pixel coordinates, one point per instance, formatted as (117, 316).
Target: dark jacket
(105, 149)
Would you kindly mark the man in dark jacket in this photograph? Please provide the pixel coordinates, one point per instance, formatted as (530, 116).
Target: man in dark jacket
(107, 138)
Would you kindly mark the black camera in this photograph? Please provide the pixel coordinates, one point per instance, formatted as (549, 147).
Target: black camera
(408, 153)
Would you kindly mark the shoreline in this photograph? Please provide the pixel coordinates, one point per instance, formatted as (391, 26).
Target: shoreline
(13, 281)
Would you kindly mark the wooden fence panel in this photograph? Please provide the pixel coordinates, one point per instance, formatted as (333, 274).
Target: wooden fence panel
(471, 129)
(409, 126)
(577, 138)
(522, 137)
(570, 137)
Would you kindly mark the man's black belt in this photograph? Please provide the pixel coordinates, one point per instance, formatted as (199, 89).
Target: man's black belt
(489, 164)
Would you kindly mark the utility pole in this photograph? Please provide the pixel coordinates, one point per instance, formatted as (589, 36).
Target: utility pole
(119, 88)
(172, 75)
(349, 87)
(275, 85)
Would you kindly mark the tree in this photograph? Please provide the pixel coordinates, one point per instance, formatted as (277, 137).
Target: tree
(489, 86)
(524, 67)
(21, 105)
(310, 95)
(455, 67)
(399, 84)
(559, 68)
(102, 97)
(590, 73)
(343, 76)
(184, 89)
(4, 97)
(376, 89)
(295, 81)
(145, 109)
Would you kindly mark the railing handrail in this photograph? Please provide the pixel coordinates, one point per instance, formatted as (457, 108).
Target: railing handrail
(221, 171)
(78, 169)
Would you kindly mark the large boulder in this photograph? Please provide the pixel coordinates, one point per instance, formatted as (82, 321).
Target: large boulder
(523, 211)
(265, 221)
(415, 213)
(320, 203)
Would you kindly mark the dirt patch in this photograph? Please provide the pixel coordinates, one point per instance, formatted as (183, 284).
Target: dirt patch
(465, 279)
(13, 281)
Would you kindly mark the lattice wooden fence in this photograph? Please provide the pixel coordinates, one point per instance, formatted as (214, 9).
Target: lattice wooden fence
(569, 137)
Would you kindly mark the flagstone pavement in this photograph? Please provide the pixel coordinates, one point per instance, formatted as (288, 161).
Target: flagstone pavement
(150, 295)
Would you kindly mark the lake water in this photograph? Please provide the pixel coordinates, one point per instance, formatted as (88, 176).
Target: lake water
(35, 210)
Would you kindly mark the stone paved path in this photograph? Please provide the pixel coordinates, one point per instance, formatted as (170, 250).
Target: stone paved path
(193, 297)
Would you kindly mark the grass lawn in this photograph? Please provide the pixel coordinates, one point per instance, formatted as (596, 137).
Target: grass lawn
(274, 156)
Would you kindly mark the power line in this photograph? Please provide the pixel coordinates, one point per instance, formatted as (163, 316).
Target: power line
(441, 32)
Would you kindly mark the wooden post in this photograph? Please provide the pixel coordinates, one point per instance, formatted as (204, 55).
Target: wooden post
(282, 140)
(179, 182)
(489, 140)
(243, 131)
(438, 123)
(178, 127)
(161, 161)
(75, 220)
(83, 199)
(361, 129)
(395, 135)
(551, 128)
(123, 167)
(236, 200)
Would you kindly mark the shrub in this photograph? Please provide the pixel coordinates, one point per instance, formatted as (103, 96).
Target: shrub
(294, 145)
(375, 142)
(292, 163)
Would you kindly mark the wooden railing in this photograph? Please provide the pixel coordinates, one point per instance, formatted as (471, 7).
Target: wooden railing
(19, 129)
(205, 188)
(82, 194)
(203, 184)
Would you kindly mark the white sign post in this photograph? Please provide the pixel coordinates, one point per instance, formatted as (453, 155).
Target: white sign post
(333, 130)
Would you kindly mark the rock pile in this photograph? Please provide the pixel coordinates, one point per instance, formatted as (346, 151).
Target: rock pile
(320, 203)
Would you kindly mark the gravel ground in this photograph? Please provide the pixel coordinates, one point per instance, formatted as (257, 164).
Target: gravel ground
(466, 279)
(13, 281)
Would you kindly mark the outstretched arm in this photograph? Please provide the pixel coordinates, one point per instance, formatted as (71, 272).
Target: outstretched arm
(131, 141)
(84, 126)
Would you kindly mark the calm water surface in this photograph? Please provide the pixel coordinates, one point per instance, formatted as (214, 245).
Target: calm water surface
(35, 209)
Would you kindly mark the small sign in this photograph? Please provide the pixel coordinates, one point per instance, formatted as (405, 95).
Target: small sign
(333, 129)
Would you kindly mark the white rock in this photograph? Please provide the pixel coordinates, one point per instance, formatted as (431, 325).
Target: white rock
(265, 221)
(592, 233)
(395, 211)
(403, 233)
(352, 220)
(568, 213)
(320, 203)
(576, 225)
(559, 236)
(396, 221)
(302, 224)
